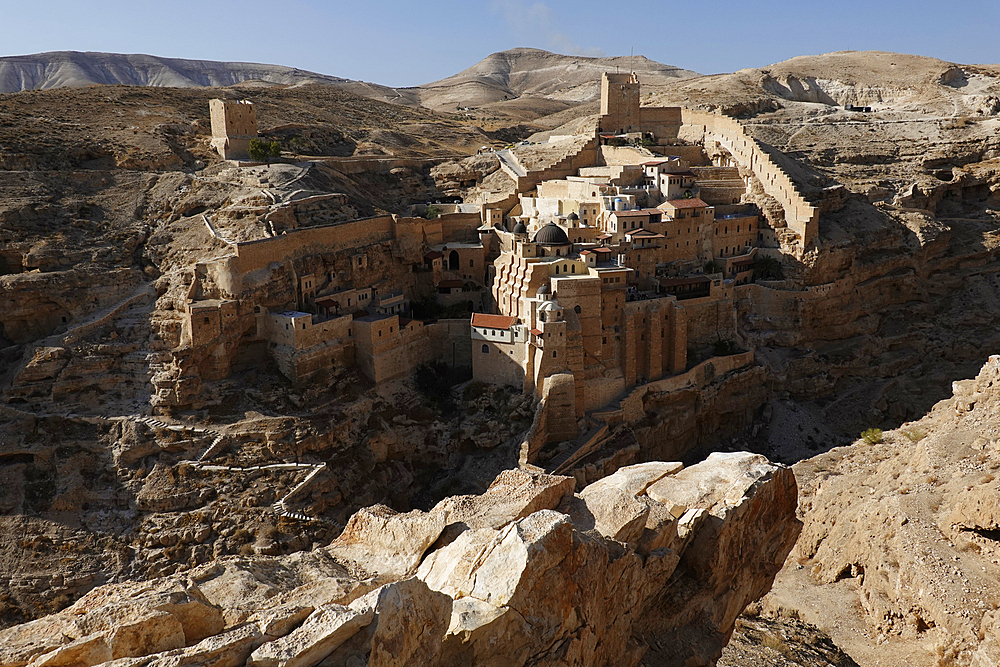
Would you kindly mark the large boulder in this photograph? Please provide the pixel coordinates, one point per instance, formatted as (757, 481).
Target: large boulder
(651, 563)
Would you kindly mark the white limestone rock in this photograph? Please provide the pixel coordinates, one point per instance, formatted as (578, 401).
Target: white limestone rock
(321, 633)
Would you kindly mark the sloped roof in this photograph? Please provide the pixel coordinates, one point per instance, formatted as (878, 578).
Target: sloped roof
(684, 203)
(492, 321)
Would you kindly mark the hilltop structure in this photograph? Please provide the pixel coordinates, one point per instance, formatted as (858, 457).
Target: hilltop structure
(234, 124)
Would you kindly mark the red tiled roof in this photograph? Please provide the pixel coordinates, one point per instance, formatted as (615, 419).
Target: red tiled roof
(536, 332)
(586, 252)
(327, 302)
(645, 234)
(685, 203)
(433, 254)
(633, 213)
(653, 163)
(604, 236)
(607, 250)
(492, 321)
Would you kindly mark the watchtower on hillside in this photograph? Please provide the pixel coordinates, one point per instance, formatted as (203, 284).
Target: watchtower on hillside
(234, 124)
(620, 103)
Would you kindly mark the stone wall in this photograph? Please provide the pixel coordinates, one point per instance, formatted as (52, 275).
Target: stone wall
(800, 215)
(448, 341)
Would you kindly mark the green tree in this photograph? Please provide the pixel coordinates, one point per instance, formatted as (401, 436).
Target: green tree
(767, 268)
(261, 150)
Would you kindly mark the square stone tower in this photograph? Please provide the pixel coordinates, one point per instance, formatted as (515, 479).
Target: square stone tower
(234, 124)
(620, 103)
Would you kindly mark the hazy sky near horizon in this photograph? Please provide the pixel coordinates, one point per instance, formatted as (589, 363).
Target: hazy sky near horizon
(399, 43)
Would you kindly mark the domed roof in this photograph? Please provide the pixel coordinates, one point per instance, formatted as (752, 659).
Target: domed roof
(551, 234)
(573, 216)
(550, 305)
(543, 290)
(519, 228)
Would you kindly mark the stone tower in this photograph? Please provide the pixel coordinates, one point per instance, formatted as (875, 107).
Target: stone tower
(234, 124)
(620, 103)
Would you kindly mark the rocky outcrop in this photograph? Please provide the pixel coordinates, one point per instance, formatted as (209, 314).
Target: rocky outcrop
(654, 562)
(910, 525)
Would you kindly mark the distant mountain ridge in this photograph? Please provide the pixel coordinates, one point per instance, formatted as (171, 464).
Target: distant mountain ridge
(537, 73)
(60, 69)
(501, 76)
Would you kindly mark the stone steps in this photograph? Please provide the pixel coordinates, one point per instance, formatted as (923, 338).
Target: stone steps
(582, 441)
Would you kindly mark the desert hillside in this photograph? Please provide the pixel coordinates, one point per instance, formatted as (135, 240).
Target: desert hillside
(183, 502)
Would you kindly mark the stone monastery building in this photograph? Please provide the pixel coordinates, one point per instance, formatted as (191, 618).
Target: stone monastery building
(614, 264)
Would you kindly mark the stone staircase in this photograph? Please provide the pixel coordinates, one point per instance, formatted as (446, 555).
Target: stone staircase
(548, 166)
(719, 186)
(579, 447)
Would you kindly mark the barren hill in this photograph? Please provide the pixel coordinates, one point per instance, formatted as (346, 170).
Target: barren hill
(71, 69)
(518, 84)
(539, 74)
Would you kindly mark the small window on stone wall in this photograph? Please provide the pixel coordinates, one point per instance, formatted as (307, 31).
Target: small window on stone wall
(486, 349)
(206, 320)
(577, 310)
(553, 354)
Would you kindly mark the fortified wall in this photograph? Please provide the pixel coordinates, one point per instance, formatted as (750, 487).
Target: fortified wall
(278, 291)
(800, 216)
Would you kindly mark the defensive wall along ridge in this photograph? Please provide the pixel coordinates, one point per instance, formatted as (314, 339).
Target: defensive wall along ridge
(800, 216)
(229, 272)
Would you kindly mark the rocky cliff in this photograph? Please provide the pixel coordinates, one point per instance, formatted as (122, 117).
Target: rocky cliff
(650, 565)
(900, 537)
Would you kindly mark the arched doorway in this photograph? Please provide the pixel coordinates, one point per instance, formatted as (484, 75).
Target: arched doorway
(453, 260)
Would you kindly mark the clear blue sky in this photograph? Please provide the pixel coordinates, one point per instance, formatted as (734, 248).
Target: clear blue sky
(409, 42)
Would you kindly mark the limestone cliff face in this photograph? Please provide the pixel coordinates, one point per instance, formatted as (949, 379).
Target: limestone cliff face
(653, 563)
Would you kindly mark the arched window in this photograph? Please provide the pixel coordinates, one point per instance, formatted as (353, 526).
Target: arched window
(486, 348)
(577, 309)
(453, 260)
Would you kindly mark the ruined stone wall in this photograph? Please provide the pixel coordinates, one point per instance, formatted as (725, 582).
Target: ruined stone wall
(568, 166)
(256, 255)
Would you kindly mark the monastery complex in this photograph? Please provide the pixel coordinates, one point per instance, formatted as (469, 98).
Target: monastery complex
(614, 265)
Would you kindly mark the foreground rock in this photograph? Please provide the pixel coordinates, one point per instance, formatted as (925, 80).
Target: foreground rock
(651, 565)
